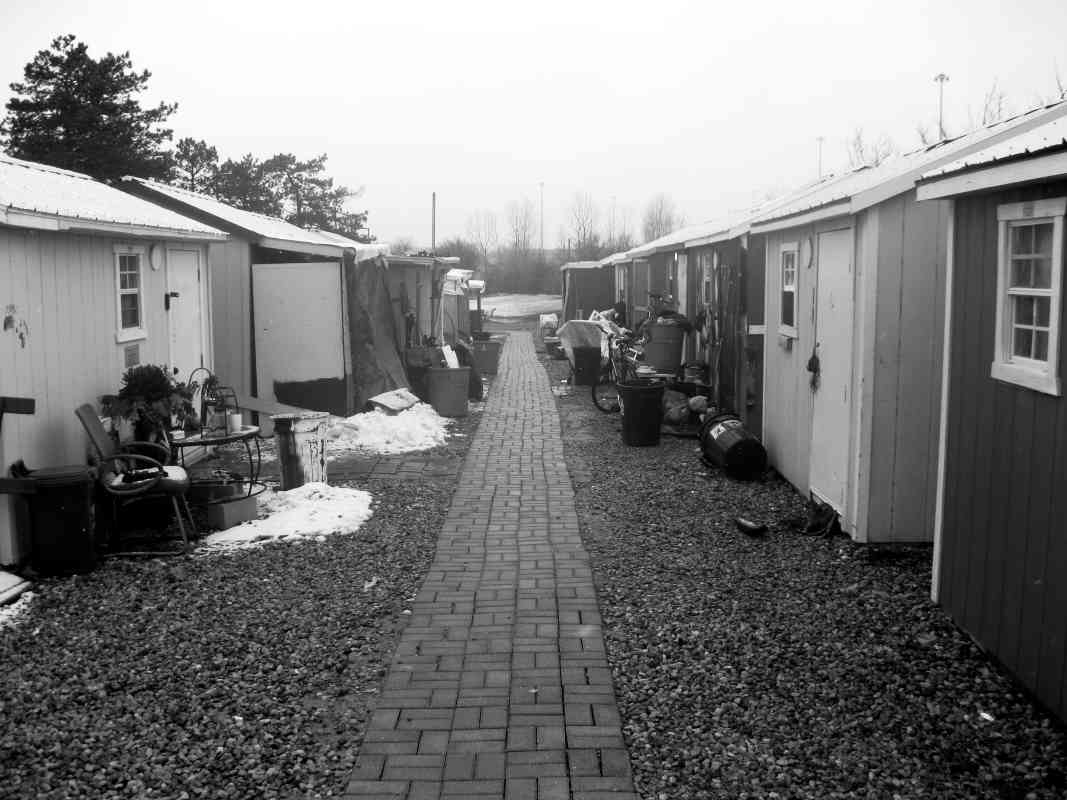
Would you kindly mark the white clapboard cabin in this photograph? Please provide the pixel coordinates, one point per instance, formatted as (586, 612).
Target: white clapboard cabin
(302, 319)
(854, 307)
(92, 281)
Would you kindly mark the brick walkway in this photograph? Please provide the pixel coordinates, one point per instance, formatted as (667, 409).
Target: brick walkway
(500, 686)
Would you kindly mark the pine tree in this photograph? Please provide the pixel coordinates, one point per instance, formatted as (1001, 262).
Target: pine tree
(196, 165)
(81, 113)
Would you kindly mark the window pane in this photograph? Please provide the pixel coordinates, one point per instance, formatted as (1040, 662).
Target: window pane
(1020, 272)
(1043, 273)
(1023, 342)
(1022, 239)
(1042, 304)
(1043, 239)
(1024, 310)
(1041, 345)
(787, 308)
(131, 311)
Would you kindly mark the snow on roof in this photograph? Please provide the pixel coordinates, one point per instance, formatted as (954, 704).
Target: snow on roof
(73, 201)
(866, 186)
(273, 232)
(1050, 136)
(363, 250)
(581, 265)
(614, 258)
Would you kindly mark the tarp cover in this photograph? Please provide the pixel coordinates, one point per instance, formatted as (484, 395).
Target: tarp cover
(376, 363)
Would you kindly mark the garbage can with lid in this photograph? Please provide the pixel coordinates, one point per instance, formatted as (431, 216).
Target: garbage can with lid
(642, 414)
(487, 355)
(447, 388)
(301, 443)
(56, 519)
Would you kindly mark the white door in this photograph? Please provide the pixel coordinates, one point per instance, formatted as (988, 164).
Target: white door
(832, 399)
(184, 317)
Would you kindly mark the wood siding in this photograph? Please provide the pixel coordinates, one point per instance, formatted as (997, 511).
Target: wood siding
(231, 292)
(588, 290)
(1004, 554)
(63, 287)
(905, 375)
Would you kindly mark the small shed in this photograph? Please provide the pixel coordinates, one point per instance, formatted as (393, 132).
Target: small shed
(1000, 555)
(413, 282)
(303, 318)
(454, 318)
(588, 286)
(92, 281)
(855, 272)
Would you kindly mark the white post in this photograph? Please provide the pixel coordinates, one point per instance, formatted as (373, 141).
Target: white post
(942, 437)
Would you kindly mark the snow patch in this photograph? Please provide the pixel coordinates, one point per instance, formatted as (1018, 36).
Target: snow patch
(314, 510)
(11, 614)
(417, 428)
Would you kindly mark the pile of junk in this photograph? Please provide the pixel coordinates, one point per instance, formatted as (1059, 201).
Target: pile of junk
(661, 394)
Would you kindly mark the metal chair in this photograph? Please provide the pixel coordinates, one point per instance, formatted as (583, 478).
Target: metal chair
(127, 474)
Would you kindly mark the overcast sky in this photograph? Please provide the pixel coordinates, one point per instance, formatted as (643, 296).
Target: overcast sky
(716, 104)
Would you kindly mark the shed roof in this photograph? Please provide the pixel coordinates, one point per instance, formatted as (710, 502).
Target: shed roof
(1033, 155)
(268, 231)
(39, 196)
(581, 265)
(862, 188)
(1052, 135)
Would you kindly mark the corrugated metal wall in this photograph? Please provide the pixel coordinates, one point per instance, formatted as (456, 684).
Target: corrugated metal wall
(1004, 553)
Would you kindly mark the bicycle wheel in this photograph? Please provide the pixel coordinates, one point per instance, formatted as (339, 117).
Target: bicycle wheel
(605, 392)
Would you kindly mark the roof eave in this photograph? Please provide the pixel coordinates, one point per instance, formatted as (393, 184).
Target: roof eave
(994, 176)
(325, 250)
(840, 208)
(37, 220)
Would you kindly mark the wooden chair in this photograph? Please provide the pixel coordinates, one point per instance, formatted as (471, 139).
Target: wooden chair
(127, 474)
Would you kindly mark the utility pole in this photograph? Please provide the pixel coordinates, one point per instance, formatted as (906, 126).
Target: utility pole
(819, 139)
(433, 224)
(541, 225)
(941, 77)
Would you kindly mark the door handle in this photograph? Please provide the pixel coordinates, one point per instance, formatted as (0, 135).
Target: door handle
(166, 299)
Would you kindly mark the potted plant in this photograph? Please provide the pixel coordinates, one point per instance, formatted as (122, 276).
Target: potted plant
(153, 401)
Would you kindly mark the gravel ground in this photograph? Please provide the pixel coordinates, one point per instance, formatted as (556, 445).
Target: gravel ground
(248, 675)
(786, 666)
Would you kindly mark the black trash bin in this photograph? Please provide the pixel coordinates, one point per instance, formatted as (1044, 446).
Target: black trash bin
(642, 411)
(586, 365)
(59, 520)
(726, 443)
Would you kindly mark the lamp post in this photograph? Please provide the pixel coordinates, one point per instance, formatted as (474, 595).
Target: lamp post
(941, 77)
(541, 224)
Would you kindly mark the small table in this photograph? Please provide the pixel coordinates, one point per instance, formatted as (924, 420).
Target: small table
(248, 434)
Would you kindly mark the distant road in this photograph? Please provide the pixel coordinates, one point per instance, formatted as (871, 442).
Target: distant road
(514, 306)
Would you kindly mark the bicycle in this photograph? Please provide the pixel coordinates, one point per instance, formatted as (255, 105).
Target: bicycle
(621, 366)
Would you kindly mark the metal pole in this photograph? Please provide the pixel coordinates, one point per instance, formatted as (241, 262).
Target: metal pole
(941, 77)
(819, 139)
(433, 224)
(542, 224)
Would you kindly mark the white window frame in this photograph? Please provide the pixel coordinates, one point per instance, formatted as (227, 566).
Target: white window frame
(123, 335)
(707, 262)
(1039, 376)
(794, 248)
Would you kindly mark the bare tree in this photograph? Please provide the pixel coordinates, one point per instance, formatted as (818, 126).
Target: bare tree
(402, 246)
(1061, 87)
(481, 229)
(926, 138)
(660, 218)
(994, 108)
(521, 227)
(862, 153)
(583, 217)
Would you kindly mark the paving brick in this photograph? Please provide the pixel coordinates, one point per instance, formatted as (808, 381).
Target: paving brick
(501, 667)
